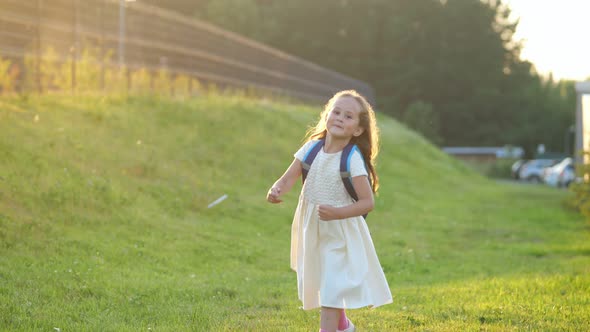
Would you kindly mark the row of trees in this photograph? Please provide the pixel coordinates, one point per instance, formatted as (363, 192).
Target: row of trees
(448, 68)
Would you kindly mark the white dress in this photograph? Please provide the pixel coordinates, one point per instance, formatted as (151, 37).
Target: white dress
(335, 261)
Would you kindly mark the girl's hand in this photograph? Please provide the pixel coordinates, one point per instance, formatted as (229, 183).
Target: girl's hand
(273, 195)
(328, 212)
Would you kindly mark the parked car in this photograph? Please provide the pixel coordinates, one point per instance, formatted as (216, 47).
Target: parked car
(532, 170)
(515, 168)
(561, 174)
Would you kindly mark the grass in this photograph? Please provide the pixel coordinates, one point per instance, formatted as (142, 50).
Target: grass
(104, 225)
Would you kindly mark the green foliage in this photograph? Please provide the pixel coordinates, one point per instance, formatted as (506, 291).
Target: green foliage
(239, 19)
(163, 81)
(142, 83)
(8, 76)
(53, 72)
(580, 200)
(456, 55)
(499, 168)
(180, 85)
(93, 74)
(104, 225)
(89, 69)
(422, 118)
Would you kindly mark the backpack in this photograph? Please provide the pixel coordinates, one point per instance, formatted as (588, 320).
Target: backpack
(344, 165)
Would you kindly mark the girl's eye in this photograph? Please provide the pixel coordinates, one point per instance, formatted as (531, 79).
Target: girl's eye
(349, 116)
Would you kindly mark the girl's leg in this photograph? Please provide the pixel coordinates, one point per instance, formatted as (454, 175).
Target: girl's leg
(343, 321)
(329, 319)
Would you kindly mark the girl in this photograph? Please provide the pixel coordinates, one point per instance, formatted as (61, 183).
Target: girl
(331, 248)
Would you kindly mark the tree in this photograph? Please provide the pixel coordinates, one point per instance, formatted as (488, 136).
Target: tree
(422, 118)
(455, 61)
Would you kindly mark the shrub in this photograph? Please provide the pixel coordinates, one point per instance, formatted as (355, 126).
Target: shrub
(422, 117)
(8, 75)
(580, 200)
(501, 168)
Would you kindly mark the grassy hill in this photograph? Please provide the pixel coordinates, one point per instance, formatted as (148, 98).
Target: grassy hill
(104, 225)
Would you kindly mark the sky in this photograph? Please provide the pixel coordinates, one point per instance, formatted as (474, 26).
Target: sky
(556, 35)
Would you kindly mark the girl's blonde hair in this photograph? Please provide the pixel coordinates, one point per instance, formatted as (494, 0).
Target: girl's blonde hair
(367, 142)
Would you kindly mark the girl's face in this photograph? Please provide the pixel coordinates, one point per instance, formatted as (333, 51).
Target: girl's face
(343, 119)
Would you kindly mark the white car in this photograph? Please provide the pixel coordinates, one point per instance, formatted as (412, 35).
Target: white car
(515, 168)
(532, 170)
(562, 174)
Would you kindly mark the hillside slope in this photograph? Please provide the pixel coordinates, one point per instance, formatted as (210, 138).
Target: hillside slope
(104, 224)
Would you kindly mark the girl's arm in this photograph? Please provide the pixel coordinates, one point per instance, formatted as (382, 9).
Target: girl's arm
(364, 205)
(285, 182)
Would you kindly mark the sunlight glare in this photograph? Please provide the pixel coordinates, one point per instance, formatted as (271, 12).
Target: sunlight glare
(554, 35)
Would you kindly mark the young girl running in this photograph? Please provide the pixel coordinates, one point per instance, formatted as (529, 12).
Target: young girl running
(331, 248)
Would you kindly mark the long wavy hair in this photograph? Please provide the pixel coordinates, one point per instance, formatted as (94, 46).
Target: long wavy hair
(367, 142)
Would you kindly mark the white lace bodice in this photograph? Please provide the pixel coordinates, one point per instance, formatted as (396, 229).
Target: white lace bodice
(323, 184)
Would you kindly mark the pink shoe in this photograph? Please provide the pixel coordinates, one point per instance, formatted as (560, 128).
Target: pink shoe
(349, 329)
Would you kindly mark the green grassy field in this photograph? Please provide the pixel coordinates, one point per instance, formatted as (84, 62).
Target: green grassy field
(104, 225)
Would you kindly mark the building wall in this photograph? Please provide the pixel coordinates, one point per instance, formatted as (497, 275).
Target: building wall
(582, 122)
(586, 124)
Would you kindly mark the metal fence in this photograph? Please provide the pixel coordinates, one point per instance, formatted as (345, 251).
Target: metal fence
(129, 35)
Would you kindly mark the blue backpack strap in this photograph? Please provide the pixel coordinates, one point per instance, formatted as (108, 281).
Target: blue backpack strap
(345, 171)
(309, 157)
